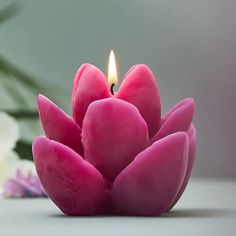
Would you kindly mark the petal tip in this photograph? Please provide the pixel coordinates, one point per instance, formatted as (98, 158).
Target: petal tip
(181, 137)
(42, 100)
(140, 69)
(40, 97)
(188, 103)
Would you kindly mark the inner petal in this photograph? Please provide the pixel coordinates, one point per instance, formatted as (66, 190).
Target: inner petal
(89, 85)
(113, 133)
(140, 88)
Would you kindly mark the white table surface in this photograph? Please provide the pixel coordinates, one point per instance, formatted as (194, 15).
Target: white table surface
(206, 208)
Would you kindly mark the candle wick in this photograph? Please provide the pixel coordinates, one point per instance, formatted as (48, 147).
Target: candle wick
(112, 87)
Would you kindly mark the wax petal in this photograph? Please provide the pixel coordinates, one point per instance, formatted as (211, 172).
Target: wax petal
(191, 158)
(140, 88)
(113, 133)
(58, 125)
(150, 183)
(77, 79)
(89, 85)
(177, 119)
(72, 183)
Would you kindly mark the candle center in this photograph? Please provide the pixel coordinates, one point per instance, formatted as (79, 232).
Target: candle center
(112, 73)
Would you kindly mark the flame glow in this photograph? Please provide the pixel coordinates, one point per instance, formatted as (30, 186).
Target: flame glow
(112, 73)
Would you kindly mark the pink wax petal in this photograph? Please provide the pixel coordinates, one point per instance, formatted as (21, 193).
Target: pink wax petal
(191, 158)
(58, 125)
(113, 133)
(72, 183)
(140, 88)
(177, 119)
(150, 183)
(89, 85)
(77, 78)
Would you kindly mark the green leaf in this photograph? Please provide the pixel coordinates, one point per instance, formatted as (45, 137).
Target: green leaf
(9, 11)
(22, 114)
(16, 95)
(8, 68)
(24, 149)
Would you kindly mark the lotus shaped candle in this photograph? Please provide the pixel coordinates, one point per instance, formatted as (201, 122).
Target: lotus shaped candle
(116, 155)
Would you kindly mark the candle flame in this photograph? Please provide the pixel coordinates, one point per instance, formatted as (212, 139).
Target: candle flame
(112, 73)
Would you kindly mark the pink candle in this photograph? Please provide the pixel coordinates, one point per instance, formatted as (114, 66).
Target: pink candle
(117, 155)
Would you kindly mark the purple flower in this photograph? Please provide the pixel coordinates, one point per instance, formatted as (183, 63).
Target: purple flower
(23, 185)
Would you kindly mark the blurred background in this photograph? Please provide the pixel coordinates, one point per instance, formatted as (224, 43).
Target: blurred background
(190, 46)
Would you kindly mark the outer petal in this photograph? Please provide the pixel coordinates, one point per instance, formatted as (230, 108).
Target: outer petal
(75, 186)
(177, 119)
(89, 85)
(150, 183)
(113, 133)
(140, 88)
(58, 125)
(191, 158)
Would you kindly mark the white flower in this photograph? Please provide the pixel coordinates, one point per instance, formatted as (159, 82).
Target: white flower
(9, 132)
(9, 160)
(9, 135)
(18, 177)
